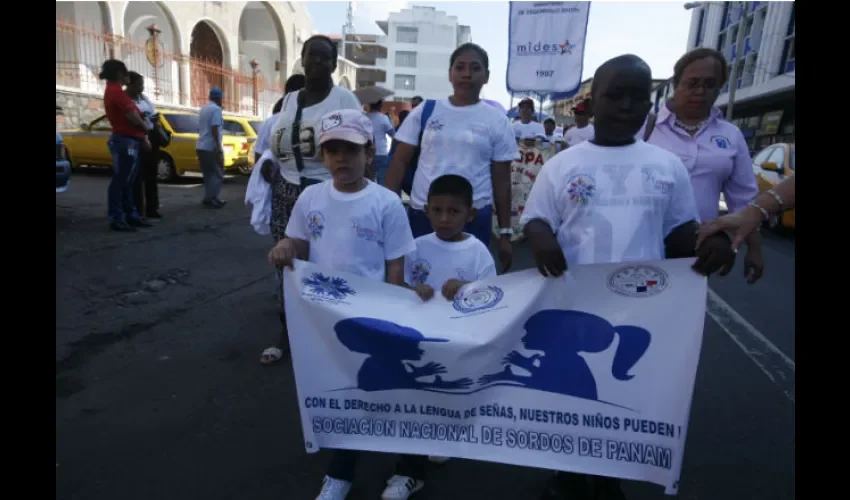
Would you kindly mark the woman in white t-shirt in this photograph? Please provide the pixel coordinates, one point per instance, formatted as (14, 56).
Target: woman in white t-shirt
(297, 168)
(463, 136)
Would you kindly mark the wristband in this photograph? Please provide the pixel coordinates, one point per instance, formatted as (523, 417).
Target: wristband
(765, 215)
(506, 231)
(776, 197)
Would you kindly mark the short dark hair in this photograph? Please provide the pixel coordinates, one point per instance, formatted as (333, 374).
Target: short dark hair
(134, 77)
(293, 83)
(110, 68)
(694, 56)
(482, 54)
(316, 38)
(549, 120)
(376, 106)
(402, 115)
(277, 106)
(452, 185)
(417, 97)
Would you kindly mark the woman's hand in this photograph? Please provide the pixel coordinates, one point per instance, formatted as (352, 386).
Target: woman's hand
(547, 253)
(742, 223)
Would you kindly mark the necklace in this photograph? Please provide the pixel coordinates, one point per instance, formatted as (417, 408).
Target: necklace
(690, 128)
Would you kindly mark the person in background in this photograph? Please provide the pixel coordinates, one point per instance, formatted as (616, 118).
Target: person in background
(293, 83)
(129, 138)
(209, 148)
(464, 136)
(382, 127)
(527, 127)
(345, 141)
(145, 187)
(747, 221)
(551, 134)
(577, 214)
(583, 129)
(714, 150)
(416, 101)
(402, 115)
(301, 166)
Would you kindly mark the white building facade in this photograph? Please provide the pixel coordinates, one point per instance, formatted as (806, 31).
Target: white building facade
(419, 42)
(763, 69)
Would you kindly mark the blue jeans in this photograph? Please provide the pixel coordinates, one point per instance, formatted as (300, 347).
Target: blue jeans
(382, 164)
(481, 226)
(126, 153)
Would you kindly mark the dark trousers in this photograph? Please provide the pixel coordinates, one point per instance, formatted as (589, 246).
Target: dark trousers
(481, 226)
(125, 160)
(344, 464)
(145, 188)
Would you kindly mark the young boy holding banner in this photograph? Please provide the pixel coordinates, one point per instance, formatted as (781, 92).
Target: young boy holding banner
(322, 223)
(614, 199)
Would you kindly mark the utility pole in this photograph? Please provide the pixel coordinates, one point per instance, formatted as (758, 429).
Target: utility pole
(739, 56)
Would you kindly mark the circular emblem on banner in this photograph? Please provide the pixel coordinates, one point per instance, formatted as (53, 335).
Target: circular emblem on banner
(638, 281)
(478, 299)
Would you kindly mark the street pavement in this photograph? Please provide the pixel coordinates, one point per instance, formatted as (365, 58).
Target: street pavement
(160, 395)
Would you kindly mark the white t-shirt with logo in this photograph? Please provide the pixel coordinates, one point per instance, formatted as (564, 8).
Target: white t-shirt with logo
(280, 141)
(530, 130)
(461, 140)
(436, 261)
(612, 204)
(352, 232)
(575, 136)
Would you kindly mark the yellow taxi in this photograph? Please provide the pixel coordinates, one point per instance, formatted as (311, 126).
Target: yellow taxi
(248, 127)
(87, 146)
(772, 165)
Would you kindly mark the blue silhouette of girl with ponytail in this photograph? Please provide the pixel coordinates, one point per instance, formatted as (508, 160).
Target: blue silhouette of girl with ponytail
(561, 336)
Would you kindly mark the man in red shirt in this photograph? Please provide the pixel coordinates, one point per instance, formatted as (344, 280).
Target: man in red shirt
(128, 137)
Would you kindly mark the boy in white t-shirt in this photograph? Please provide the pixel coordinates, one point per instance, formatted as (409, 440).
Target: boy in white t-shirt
(614, 199)
(369, 221)
(448, 258)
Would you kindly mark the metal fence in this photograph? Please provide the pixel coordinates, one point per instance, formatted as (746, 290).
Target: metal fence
(170, 78)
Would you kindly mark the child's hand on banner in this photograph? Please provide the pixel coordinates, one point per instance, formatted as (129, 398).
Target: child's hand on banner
(424, 291)
(451, 287)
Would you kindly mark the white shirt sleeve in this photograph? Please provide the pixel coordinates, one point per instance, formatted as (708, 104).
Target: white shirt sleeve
(296, 228)
(398, 238)
(486, 264)
(503, 140)
(408, 133)
(542, 201)
(683, 205)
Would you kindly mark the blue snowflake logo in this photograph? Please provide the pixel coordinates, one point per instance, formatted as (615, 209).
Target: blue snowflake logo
(329, 287)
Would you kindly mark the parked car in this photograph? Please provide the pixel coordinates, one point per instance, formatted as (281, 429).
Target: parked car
(772, 165)
(88, 145)
(241, 126)
(63, 166)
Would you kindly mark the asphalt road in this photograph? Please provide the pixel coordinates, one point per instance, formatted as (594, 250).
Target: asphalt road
(159, 393)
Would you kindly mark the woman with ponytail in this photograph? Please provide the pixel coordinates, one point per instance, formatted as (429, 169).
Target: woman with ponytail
(298, 124)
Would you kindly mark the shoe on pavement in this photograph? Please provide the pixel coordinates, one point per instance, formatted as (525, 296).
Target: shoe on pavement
(401, 487)
(334, 489)
(567, 486)
(138, 222)
(438, 460)
(121, 226)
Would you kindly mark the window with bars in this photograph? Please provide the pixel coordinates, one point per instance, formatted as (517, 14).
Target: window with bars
(406, 34)
(405, 59)
(405, 82)
(789, 52)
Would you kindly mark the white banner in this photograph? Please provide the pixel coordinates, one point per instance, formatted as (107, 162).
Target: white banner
(546, 46)
(591, 373)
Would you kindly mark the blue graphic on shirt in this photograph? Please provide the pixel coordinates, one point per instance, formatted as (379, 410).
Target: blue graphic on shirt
(420, 271)
(720, 141)
(561, 336)
(388, 346)
(315, 224)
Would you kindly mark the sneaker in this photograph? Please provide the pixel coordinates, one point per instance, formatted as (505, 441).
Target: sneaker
(121, 226)
(401, 487)
(138, 222)
(438, 460)
(567, 486)
(334, 489)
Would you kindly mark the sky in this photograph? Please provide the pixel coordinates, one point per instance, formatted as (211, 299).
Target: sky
(655, 31)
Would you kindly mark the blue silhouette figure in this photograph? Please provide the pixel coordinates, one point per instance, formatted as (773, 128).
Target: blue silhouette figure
(388, 345)
(562, 335)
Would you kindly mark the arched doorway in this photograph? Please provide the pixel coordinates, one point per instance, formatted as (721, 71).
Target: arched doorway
(207, 63)
(262, 40)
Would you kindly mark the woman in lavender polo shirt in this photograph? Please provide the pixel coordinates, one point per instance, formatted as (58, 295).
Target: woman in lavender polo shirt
(714, 150)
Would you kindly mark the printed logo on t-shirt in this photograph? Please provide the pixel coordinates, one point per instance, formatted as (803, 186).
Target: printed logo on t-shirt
(479, 129)
(655, 183)
(720, 141)
(315, 224)
(420, 271)
(464, 275)
(365, 233)
(581, 188)
(435, 125)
